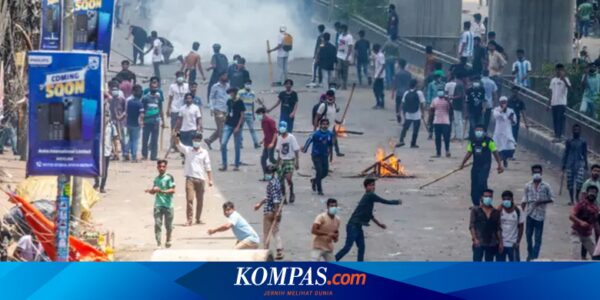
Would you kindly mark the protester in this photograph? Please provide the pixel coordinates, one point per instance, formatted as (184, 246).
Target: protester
(430, 61)
(140, 36)
(518, 106)
(455, 89)
(246, 94)
(118, 107)
(110, 135)
(246, 237)
(167, 49)
(521, 69)
(282, 54)
(594, 180)
(163, 190)
(288, 152)
(29, 249)
(575, 163)
(194, 91)
(465, 46)
(344, 55)
(269, 139)
(193, 63)
(152, 116)
(440, 108)
(477, 27)
(512, 222)
(559, 85)
(503, 136)
(438, 84)
(134, 121)
(157, 53)
(481, 148)
(288, 99)
(218, 66)
(585, 11)
(177, 94)
(480, 57)
(317, 75)
(362, 50)
(233, 126)
(391, 51)
(240, 75)
(491, 95)
(591, 92)
(218, 108)
(325, 230)
(321, 154)
(491, 39)
(537, 195)
(400, 85)
(392, 24)
(126, 78)
(378, 86)
(486, 230)
(189, 121)
(272, 212)
(413, 102)
(585, 222)
(327, 59)
(329, 109)
(361, 216)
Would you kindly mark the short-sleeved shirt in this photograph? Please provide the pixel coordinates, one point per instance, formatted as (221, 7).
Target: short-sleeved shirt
(401, 82)
(416, 115)
(269, 129)
(329, 225)
(288, 102)
(592, 89)
(560, 91)
(327, 57)
(241, 229)
(490, 88)
(322, 141)
(591, 182)
(542, 194)
(140, 36)
(248, 97)
(442, 111)
(379, 60)
(274, 195)
(459, 92)
(362, 50)
(523, 68)
(391, 50)
(584, 11)
(330, 114)
(466, 40)
(189, 117)
(486, 228)
(475, 99)
(587, 212)
(345, 44)
(151, 107)
(134, 109)
(517, 106)
(235, 110)
(510, 226)
(482, 151)
(287, 147)
(164, 182)
(496, 63)
(157, 55)
(178, 93)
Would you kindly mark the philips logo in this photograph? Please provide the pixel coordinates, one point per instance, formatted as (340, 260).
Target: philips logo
(39, 60)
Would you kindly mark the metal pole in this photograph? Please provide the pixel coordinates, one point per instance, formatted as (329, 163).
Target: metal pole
(62, 218)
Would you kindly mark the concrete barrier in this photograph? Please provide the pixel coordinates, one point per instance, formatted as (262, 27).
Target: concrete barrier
(228, 255)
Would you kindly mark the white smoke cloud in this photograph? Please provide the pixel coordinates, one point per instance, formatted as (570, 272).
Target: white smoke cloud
(241, 27)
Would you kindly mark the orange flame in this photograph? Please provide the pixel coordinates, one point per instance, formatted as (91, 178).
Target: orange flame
(391, 163)
(340, 130)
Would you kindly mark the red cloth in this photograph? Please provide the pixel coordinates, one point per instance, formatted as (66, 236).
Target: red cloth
(269, 129)
(588, 212)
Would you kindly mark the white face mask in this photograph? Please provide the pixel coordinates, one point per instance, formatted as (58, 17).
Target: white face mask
(180, 79)
(196, 144)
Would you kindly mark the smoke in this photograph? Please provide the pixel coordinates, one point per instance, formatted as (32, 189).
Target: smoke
(241, 27)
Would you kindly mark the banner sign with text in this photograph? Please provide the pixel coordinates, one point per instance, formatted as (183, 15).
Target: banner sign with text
(65, 113)
(51, 29)
(93, 24)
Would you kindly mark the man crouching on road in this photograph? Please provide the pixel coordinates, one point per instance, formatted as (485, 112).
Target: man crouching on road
(246, 237)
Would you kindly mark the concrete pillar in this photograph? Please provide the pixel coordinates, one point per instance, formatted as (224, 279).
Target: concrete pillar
(543, 28)
(430, 22)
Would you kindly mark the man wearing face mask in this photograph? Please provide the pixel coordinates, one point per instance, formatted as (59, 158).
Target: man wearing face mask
(272, 211)
(248, 97)
(197, 172)
(321, 154)
(512, 221)
(233, 126)
(152, 116)
(328, 110)
(575, 163)
(269, 129)
(134, 121)
(177, 92)
(594, 180)
(481, 148)
(485, 228)
(218, 107)
(537, 195)
(503, 134)
(326, 232)
(189, 121)
(585, 222)
(117, 117)
(246, 237)
(288, 152)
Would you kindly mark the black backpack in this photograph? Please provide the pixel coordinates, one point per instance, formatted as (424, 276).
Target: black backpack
(411, 102)
(315, 112)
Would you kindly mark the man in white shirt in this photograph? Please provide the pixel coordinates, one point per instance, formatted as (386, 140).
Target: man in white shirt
(465, 47)
(288, 152)
(512, 221)
(344, 54)
(413, 103)
(156, 49)
(189, 121)
(110, 134)
(477, 28)
(559, 85)
(379, 75)
(282, 55)
(197, 170)
(328, 110)
(177, 92)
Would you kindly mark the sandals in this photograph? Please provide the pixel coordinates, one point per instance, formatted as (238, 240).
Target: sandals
(279, 255)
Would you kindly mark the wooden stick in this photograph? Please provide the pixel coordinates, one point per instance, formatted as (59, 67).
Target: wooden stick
(268, 237)
(390, 169)
(443, 177)
(270, 62)
(376, 164)
(348, 104)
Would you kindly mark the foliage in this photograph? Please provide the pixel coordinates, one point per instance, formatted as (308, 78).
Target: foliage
(373, 10)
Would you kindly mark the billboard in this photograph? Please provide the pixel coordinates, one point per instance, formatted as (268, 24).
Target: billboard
(65, 113)
(51, 28)
(93, 24)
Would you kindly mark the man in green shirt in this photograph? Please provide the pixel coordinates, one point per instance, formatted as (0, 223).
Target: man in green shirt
(163, 189)
(361, 216)
(584, 14)
(593, 180)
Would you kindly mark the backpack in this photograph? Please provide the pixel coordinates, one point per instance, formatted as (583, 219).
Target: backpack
(411, 102)
(221, 63)
(288, 42)
(315, 112)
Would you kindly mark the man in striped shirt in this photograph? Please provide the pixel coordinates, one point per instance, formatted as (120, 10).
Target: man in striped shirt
(521, 69)
(465, 47)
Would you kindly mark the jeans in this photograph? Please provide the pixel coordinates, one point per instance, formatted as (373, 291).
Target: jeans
(220, 123)
(342, 73)
(8, 134)
(321, 164)
(192, 75)
(487, 117)
(317, 75)
(591, 109)
(134, 140)
(267, 155)
(479, 182)
(163, 214)
(558, 117)
(150, 134)
(362, 67)
(584, 28)
(390, 66)
(378, 90)
(194, 189)
(442, 131)
(328, 76)
(187, 137)
(416, 126)
(249, 121)
(282, 63)
(516, 128)
(156, 66)
(354, 233)
(458, 125)
(507, 255)
(289, 121)
(533, 235)
(484, 252)
(137, 52)
(123, 139)
(237, 141)
(474, 120)
(101, 181)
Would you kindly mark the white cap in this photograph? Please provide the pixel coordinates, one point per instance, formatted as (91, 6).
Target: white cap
(282, 28)
(503, 99)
